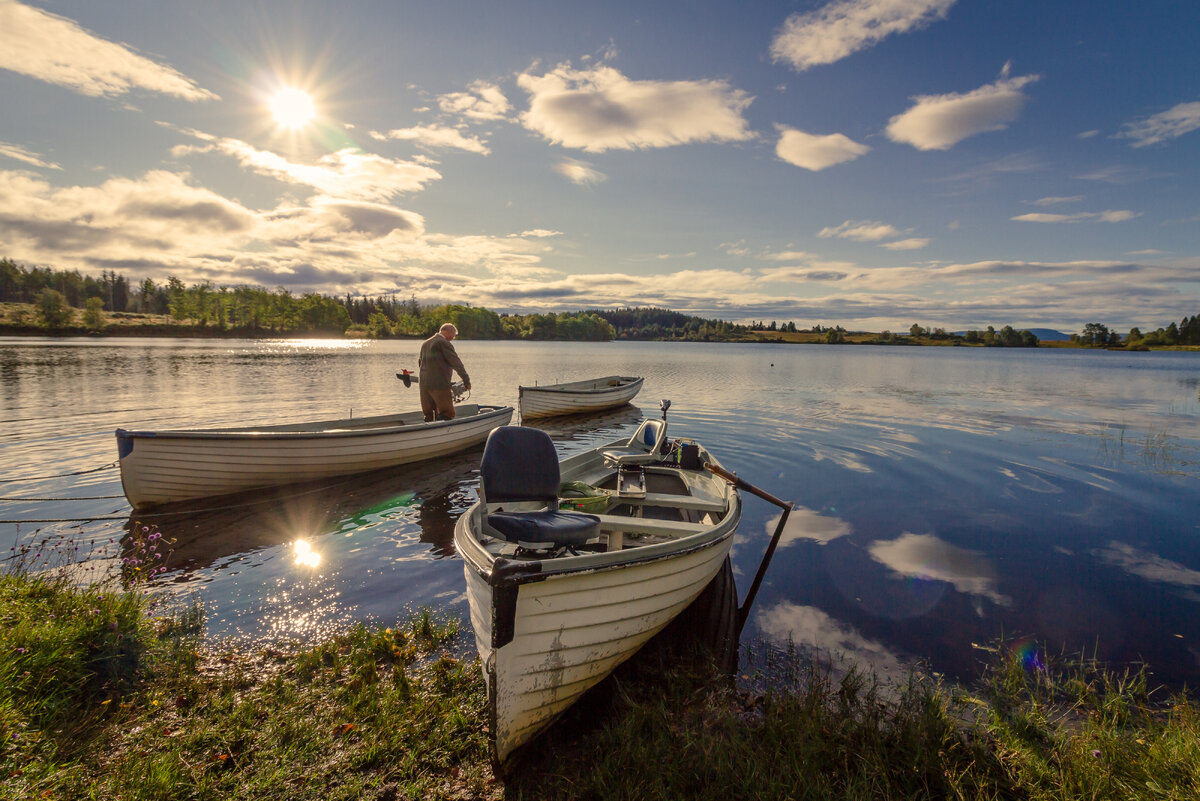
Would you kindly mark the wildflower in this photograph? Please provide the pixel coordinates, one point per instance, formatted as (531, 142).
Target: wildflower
(1096, 753)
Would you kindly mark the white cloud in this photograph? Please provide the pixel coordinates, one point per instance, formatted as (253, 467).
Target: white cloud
(436, 136)
(346, 173)
(28, 156)
(1111, 216)
(915, 243)
(484, 102)
(57, 50)
(1056, 201)
(1170, 124)
(813, 152)
(600, 109)
(860, 231)
(938, 122)
(579, 172)
(926, 556)
(843, 27)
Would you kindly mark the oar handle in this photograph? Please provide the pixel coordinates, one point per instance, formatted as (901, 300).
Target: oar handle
(732, 478)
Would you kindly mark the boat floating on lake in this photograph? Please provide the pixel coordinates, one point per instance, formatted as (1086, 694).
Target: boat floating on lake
(160, 467)
(559, 598)
(576, 397)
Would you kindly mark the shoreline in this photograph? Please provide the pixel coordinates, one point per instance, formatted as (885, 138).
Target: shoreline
(398, 712)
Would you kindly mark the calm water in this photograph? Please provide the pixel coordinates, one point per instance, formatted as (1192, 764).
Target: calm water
(945, 496)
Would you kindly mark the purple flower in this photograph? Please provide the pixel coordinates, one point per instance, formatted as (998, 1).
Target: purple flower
(20, 650)
(1096, 753)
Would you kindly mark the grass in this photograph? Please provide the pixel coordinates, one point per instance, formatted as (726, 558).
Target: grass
(98, 699)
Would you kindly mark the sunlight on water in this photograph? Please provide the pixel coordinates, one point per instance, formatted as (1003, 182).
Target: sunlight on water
(305, 555)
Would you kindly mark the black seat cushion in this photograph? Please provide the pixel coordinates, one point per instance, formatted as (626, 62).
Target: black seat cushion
(519, 464)
(546, 527)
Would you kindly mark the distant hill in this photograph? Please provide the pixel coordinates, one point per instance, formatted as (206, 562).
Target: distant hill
(1049, 334)
(1043, 334)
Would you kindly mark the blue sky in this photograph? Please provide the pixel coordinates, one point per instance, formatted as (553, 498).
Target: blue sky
(869, 163)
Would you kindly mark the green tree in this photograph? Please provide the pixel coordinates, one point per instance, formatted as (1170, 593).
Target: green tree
(52, 309)
(93, 313)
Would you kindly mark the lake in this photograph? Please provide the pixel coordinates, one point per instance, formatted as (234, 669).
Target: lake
(945, 497)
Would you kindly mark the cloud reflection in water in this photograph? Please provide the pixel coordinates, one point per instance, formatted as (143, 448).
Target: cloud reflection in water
(924, 556)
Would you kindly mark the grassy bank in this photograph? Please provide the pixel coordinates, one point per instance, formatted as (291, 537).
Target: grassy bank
(98, 699)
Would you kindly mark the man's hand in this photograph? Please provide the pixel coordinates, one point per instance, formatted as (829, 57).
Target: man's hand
(467, 386)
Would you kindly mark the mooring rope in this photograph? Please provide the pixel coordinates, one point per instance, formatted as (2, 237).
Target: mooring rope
(66, 519)
(58, 475)
(80, 498)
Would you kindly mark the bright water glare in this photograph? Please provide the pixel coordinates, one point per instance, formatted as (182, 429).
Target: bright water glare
(945, 496)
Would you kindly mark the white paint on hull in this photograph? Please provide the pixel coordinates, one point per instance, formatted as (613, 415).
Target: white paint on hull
(577, 397)
(171, 466)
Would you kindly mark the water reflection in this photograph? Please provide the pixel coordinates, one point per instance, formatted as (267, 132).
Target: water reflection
(813, 630)
(805, 524)
(300, 515)
(305, 555)
(924, 557)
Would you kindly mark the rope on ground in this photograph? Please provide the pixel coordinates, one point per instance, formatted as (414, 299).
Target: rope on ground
(66, 519)
(58, 475)
(80, 498)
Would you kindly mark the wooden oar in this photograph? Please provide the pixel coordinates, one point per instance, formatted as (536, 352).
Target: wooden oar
(717, 470)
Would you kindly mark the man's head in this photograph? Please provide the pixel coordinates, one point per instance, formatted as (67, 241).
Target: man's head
(448, 331)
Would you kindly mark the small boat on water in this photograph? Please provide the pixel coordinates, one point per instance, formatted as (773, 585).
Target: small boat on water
(159, 467)
(559, 598)
(576, 397)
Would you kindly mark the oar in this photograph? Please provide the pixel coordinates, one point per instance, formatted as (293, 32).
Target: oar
(717, 470)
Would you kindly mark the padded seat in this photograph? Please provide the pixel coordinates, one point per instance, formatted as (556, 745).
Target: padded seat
(645, 446)
(546, 527)
(520, 465)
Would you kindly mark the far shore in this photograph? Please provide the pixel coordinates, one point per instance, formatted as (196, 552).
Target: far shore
(15, 322)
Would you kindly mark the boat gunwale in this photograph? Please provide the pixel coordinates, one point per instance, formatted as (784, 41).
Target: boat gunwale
(268, 432)
(567, 387)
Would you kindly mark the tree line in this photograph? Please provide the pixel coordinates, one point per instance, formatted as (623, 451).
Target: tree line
(253, 311)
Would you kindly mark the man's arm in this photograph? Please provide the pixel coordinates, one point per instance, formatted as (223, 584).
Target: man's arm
(451, 357)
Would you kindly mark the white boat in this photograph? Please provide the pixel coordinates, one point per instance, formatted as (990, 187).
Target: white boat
(159, 467)
(560, 598)
(576, 397)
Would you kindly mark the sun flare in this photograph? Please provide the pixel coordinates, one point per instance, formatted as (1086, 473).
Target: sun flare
(293, 108)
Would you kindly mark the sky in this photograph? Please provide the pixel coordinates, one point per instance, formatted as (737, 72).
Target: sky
(865, 163)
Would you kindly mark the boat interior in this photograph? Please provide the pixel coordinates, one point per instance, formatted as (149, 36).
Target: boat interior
(597, 503)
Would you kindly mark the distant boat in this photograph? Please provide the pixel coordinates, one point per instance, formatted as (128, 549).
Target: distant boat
(559, 598)
(575, 397)
(159, 467)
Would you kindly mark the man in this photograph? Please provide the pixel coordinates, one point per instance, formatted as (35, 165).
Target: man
(438, 362)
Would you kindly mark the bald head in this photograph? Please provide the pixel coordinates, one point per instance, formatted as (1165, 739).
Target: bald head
(448, 330)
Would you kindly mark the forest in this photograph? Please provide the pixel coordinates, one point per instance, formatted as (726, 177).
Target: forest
(44, 300)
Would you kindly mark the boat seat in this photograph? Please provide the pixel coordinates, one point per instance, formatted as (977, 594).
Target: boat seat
(645, 446)
(520, 466)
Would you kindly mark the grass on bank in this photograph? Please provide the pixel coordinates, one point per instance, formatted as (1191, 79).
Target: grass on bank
(98, 700)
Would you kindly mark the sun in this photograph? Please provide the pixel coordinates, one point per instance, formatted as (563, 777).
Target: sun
(293, 108)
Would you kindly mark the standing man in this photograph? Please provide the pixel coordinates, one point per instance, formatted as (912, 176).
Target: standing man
(438, 361)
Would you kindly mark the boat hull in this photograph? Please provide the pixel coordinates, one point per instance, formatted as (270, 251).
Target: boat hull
(578, 397)
(548, 631)
(161, 467)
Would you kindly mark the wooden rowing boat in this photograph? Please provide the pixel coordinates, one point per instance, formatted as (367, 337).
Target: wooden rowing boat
(559, 598)
(577, 397)
(159, 467)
